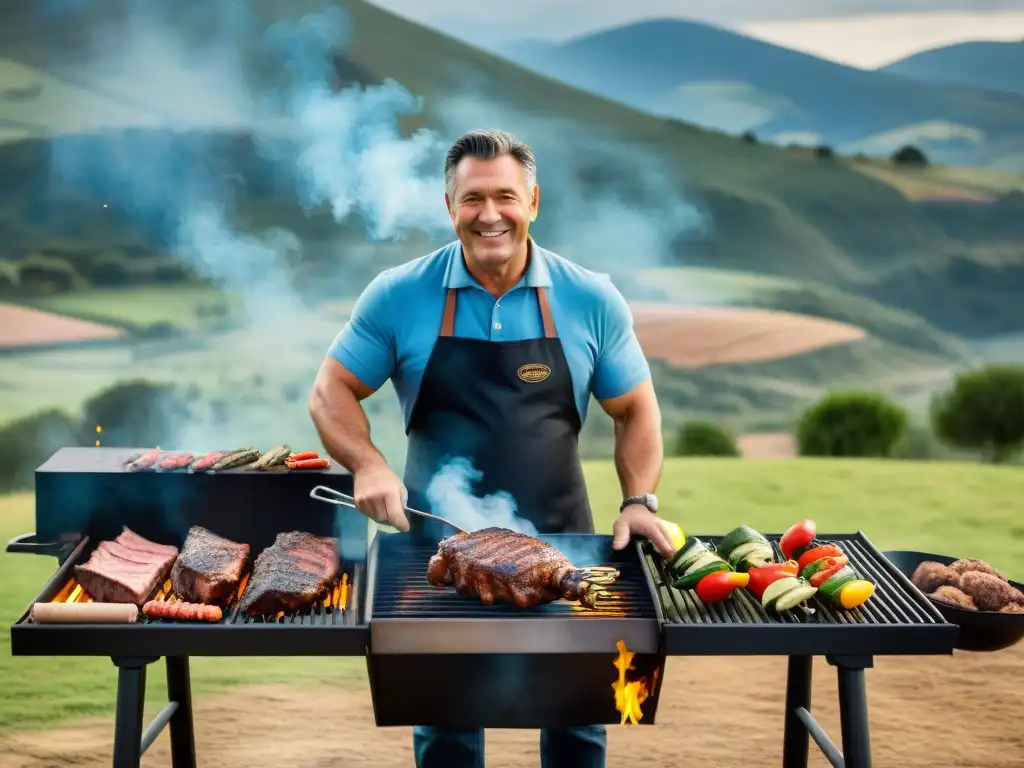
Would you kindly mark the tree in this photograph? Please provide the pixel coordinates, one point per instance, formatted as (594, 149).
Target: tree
(851, 424)
(704, 438)
(137, 413)
(983, 410)
(909, 155)
(824, 152)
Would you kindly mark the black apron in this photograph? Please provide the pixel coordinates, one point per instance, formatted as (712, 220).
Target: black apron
(509, 408)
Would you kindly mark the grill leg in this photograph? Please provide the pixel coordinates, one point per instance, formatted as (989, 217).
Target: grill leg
(131, 696)
(179, 689)
(853, 710)
(795, 739)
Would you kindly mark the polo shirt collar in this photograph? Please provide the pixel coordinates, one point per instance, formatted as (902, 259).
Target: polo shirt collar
(537, 273)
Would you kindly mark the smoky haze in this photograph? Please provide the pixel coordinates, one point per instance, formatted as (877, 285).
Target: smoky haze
(229, 89)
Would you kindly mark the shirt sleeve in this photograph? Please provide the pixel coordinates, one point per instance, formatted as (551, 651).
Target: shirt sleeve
(621, 364)
(366, 344)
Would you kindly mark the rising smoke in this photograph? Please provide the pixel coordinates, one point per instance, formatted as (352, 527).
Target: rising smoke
(450, 495)
(220, 78)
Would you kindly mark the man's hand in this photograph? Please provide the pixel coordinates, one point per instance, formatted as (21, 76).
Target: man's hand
(380, 495)
(638, 519)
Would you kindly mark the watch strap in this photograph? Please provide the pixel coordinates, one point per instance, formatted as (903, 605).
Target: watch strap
(643, 500)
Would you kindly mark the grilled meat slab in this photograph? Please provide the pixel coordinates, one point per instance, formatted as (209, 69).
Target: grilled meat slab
(209, 567)
(296, 570)
(499, 565)
(125, 570)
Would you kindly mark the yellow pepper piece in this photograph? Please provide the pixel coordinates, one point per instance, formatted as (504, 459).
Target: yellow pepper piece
(675, 534)
(855, 593)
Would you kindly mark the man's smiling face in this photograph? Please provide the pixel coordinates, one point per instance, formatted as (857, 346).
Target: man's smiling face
(491, 207)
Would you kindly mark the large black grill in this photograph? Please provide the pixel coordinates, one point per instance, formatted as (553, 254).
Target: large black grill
(436, 657)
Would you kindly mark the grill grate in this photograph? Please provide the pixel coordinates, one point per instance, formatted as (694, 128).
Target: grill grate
(401, 590)
(890, 605)
(336, 608)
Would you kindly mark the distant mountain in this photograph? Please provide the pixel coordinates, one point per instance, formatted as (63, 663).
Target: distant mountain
(993, 65)
(728, 81)
(622, 189)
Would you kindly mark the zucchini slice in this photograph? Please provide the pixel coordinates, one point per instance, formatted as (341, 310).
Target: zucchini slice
(795, 596)
(691, 550)
(738, 536)
(751, 555)
(787, 593)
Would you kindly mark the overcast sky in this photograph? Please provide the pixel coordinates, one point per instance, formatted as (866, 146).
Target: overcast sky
(860, 32)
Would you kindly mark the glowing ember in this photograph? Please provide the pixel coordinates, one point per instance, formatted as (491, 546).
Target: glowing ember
(629, 695)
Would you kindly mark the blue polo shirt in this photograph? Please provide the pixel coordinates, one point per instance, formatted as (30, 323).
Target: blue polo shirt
(395, 322)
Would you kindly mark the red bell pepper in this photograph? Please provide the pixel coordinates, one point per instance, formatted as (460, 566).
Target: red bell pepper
(717, 586)
(832, 566)
(799, 535)
(764, 575)
(825, 550)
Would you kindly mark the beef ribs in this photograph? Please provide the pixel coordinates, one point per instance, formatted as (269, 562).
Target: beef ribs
(125, 570)
(296, 570)
(209, 567)
(499, 565)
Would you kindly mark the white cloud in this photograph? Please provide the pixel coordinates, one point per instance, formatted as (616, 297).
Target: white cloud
(872, 41)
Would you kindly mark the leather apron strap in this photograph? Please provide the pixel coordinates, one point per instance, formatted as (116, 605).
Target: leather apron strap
(448, 319)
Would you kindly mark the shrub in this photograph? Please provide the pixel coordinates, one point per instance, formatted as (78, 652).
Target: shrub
(137, 413)
(8, 277)
(983, 410)
(909, 155)
(108, 270)
(44, 275)
(28, 442)
(851, 424)
(824, 152)
(705, 438)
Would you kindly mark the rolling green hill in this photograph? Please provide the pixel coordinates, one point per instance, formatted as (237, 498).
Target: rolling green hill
(760, 209)
(989, 64)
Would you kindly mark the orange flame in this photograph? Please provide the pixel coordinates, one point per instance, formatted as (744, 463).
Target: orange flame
(628, 695)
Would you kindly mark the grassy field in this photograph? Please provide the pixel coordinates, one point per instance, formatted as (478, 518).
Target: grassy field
(964, 510)
(183, 306)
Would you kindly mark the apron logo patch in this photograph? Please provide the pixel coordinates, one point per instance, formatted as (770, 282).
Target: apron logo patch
(534, 372)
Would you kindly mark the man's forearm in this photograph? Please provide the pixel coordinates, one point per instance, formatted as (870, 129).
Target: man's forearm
(639, 449)
(343, 427)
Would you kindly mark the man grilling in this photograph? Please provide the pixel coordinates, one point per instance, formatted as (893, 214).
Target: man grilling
(495, 346)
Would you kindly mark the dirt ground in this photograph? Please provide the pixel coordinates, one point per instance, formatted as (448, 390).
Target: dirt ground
(694, 337)
(26, 327)
(926, 712)
(767, 445)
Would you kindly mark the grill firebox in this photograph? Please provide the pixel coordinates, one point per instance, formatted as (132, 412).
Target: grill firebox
(442, 659)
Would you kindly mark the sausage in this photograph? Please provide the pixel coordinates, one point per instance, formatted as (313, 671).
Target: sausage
(160, 609)
(307, 464)
(84, 613)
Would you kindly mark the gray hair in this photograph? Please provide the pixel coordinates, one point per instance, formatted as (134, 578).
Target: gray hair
(486, 145)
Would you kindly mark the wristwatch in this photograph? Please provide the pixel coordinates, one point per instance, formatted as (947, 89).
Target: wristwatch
(648, 500)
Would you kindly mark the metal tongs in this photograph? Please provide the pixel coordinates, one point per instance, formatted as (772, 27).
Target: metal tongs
(331, 496)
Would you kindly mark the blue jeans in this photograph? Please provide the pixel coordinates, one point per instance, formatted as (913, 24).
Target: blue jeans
(578, 747)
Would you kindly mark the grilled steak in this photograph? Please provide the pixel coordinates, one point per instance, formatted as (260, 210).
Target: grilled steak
(297, 569)
(125, 570)
(499, 565)
(209, 567)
